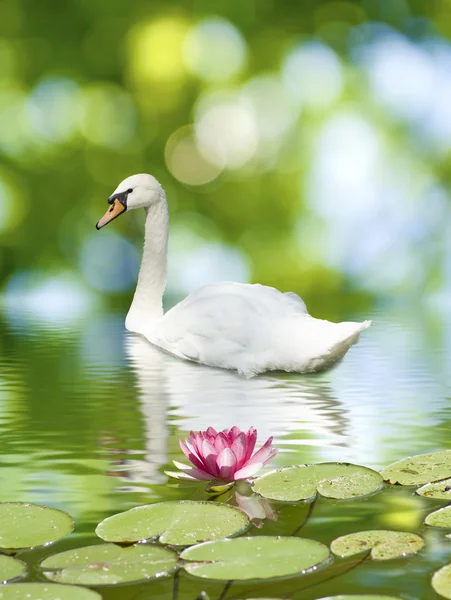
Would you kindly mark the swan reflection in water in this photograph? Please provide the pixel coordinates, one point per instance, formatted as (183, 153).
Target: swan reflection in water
(297, 410)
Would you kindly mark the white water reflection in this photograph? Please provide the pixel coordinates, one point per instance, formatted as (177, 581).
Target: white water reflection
(195, 397)
(148, 365)
(379, 404)
(132, 402)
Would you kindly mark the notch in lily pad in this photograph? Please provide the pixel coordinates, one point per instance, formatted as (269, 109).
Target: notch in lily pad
(439, 518)
(419, 469)
(30, 525)
(382, 544)
(11, 568)
(331, 480)
(108, 564)
(441, 581)
(260, 557)
(178, 523)
(46, 591)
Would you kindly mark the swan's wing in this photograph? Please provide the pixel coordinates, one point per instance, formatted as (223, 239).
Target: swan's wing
(218, 322)
(265, 299)
(252, 329)
(296, 302)
(218, 325)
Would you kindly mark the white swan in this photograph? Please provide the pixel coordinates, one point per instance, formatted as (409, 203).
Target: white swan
(249, 328)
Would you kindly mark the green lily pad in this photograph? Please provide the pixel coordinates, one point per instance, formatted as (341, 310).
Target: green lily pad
(383, 544)
(420, 469)
(439, 518)
(108, 564)
(332, 480)
(46, 591)
(30, 525)
(440, 490)
(441, 581)
(260, 557)
(360, 597)
(11, 568)
(178, 523)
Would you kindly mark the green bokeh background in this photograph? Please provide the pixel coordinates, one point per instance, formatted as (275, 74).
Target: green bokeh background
(334, 182)
(304, 145)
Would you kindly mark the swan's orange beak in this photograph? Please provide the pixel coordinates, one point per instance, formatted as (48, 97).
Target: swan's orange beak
(116, 209)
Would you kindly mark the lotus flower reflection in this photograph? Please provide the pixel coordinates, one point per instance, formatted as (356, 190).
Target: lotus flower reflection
(225, 456)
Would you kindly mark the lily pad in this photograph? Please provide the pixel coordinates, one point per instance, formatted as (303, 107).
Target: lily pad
(439, 518)
(332, 480)
(260, 557)
(383, 544)
(441, 581)
(420, 469)
(30, 525)
(11, 568)
(108, 564)
(360, 597)
(178, 523)
(440, 490)
(46, 591)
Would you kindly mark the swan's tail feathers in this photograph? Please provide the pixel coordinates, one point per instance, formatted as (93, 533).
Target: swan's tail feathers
(350, 335)
(347, 334)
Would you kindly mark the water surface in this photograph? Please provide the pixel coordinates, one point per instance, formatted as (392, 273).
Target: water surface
(91, 416)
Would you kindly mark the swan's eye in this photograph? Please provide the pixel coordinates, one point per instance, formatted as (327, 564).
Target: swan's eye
(129, 191)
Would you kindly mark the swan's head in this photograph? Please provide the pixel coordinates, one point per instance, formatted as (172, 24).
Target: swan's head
(137, 191)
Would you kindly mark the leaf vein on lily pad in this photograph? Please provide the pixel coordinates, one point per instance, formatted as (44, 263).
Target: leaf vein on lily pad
(439, 518)
(30, 525)
(439, 489)
(108, 564)
(260, 557)
(382, 544)
(178, 523)
(331, 480)
(419, 469)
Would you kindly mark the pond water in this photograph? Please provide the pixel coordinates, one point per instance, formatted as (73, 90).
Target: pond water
(91, 416)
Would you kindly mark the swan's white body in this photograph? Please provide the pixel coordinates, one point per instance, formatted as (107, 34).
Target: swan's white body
(248, 328)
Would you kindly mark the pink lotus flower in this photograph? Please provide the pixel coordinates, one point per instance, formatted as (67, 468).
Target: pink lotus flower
(225, 456)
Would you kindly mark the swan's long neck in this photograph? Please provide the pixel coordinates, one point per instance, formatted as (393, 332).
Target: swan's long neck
(147, 305)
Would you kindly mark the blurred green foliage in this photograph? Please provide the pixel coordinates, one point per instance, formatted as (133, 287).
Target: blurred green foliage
(91, 92)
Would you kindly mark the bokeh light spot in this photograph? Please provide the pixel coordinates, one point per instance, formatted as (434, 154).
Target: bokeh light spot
(226, 130)
(156, 50)
(312, 72)
(215, 50)
(108, 116)
(195, 260)
(53, 107)
(109, 262)
(275, 114)
(59, 298)
(401, 75)
(185, 161)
